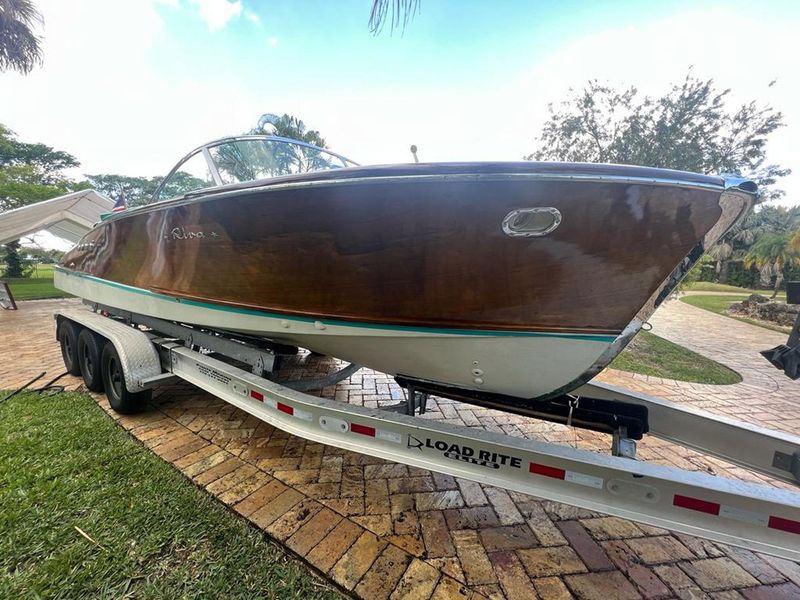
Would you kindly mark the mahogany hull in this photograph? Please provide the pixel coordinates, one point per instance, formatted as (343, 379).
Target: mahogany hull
(423, 248)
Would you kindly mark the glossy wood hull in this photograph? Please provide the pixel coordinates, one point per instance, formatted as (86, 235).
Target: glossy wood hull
(420, 248)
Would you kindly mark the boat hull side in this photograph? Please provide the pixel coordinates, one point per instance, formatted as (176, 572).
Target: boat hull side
(521, 364)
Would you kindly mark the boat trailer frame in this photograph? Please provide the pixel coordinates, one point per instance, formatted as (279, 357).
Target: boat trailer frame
(755, 516)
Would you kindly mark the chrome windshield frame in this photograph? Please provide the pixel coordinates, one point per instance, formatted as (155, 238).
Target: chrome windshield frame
(205, 149)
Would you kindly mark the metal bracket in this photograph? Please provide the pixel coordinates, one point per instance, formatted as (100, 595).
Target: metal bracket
(788, 462)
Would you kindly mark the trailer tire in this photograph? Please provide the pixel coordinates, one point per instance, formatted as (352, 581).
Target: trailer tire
(68, 340)
(120, 399)
(90, 348)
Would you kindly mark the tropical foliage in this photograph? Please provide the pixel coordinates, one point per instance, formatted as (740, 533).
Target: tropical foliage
(772, 254)
(691, 128)
(20, 47)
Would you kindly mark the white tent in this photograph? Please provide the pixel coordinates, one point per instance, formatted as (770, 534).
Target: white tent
(69, 217)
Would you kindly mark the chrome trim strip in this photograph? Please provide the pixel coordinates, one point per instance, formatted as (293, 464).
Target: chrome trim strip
(221, 193)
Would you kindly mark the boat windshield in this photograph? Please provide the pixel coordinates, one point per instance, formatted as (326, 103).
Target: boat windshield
(247, 158)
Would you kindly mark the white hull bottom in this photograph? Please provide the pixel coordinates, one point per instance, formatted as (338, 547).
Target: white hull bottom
(525, 365)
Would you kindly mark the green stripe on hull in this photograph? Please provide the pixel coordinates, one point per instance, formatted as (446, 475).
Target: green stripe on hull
(606, 339)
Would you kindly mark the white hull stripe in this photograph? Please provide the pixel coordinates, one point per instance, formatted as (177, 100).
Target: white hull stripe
(591, 337)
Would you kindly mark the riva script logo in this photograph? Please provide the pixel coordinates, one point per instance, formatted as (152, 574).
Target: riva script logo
(463, 452)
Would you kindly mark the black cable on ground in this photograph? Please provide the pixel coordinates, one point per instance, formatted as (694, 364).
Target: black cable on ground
(48, 387)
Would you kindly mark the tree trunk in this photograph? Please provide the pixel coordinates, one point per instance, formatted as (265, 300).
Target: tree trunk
(778, 282)
(722, 270)
(13, 261)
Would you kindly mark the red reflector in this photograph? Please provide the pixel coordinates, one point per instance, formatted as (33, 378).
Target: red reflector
(712, 508)
(285, 408)
(548, 471)
(257, 395)
(362, 429)
(784, 524)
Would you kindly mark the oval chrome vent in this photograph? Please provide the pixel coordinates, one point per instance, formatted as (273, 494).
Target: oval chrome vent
(531, 222)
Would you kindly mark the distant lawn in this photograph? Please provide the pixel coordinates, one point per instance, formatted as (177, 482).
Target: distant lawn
(719, 304)
(649, 354)
(65, 464)
(39, 285)
(709, 286)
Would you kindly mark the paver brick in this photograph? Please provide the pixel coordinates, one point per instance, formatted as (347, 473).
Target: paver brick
(661, 549)
(382, 577)
(257, 499)
(590, 551)
(352, 566)
(267, 514)
(325, 554)
(474, 561)
(718, 574)
(436, 534)
(417, 583)
(513, 578)
(293, 519)
(556, 560)
(507, 538)
(601, 586)
(552, 588)
(312, 532)
(781, 591)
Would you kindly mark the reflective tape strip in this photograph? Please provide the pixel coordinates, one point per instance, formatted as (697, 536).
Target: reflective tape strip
(737, 514)
(381, 434)
(564, 475)
(257, 395)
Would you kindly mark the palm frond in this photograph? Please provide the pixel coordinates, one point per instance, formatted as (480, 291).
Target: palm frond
(20, 47)
(397, 12)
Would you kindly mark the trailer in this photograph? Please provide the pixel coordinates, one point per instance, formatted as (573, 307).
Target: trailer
(127, 354)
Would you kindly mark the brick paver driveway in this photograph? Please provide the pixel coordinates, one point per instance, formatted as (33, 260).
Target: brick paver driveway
(385, 530)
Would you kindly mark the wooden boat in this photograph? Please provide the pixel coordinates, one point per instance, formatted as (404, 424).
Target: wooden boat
(519, 280)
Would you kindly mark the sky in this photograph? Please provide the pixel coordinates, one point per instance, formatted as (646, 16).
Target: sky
(130, 86)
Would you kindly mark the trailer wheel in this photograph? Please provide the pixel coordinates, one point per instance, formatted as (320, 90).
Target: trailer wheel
(90, 347)
(120, 399)
(68, 340)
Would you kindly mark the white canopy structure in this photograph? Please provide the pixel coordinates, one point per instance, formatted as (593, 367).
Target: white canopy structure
(69, 217)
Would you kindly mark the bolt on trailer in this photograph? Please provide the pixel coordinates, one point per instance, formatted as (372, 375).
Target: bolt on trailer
(127, 354)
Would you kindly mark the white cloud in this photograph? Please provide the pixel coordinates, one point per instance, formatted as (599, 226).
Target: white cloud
(217, 13)
(252, 17)
(272, 41)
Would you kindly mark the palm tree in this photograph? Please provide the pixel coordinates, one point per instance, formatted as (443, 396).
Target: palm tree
(772, 254)
(794, 242)
(20, 48)
(397, 12)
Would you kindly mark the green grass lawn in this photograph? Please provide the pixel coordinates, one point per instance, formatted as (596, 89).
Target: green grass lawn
(65, 464)
(649, 354)
(719, 304)
(37, 286)
(709, 286)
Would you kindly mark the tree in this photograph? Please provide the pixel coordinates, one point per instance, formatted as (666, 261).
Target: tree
(690, 128)
(29, 173)
(772, 254)
(288, 126)
(137, 190)
(20, 47)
